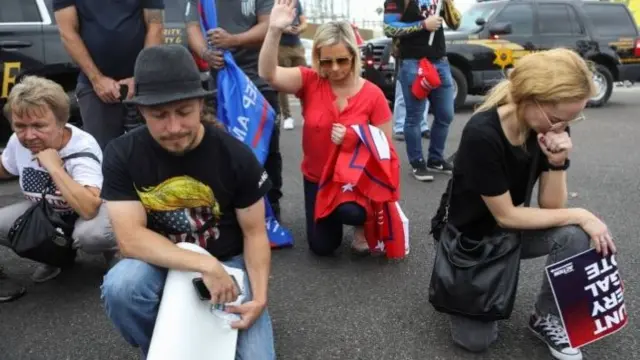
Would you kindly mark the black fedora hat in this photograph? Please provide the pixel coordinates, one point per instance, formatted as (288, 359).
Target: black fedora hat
(164, 74)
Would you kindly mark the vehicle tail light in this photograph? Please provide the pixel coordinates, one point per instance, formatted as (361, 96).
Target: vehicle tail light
(636, 52)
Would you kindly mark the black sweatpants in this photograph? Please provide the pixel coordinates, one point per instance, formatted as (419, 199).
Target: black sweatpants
(325, 236)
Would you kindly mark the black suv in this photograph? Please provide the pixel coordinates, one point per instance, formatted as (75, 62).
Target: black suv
(493, 35)
(30, 45)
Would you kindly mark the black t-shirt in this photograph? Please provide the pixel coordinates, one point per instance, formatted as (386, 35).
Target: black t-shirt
(487, 164)
(416, 45)
(190, 197)
(113, 32)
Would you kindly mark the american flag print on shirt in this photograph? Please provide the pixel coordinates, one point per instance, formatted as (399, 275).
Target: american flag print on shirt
(36, 182)
(179, 208)
(183, 225)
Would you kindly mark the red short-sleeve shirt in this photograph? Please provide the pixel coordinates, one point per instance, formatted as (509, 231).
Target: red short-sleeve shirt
(368, 106)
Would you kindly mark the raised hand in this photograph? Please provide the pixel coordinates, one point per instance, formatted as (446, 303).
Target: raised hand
(282, 14)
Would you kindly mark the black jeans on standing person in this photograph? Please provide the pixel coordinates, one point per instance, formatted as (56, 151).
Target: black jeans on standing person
(325, 236)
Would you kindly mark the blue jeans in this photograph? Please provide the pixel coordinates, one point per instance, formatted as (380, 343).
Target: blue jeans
(132, 290)
(441, 99)
(400, 112)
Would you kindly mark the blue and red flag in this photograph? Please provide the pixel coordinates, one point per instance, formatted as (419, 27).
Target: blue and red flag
(364, 169)
(246, 114)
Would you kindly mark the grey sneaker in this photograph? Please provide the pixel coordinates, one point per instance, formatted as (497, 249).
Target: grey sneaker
(9, 289)
(549, 329)
(44, 273)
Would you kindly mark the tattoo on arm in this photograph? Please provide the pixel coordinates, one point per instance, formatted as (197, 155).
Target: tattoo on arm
(154, 16)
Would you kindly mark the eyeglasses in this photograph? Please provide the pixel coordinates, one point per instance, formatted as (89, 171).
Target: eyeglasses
(341, 61)
(559, 124)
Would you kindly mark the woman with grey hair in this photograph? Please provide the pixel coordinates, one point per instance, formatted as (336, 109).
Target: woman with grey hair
(333, 96)
(38, 109)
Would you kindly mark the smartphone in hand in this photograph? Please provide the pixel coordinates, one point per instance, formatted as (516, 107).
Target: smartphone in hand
(203, 292)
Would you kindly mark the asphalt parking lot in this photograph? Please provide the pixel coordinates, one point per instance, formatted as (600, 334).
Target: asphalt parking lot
(345, 308)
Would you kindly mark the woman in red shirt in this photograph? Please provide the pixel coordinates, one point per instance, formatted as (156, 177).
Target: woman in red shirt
(333, 97)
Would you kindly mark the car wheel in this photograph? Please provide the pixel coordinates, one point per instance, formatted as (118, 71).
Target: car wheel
(460, 87)
(604, 86)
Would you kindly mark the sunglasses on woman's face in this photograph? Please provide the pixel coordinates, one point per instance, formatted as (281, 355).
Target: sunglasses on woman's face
(341, 61)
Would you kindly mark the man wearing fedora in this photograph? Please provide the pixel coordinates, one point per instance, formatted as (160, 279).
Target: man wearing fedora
(242, 26)
(177, 179)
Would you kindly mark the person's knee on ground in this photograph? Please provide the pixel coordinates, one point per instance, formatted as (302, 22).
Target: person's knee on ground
(471, 335)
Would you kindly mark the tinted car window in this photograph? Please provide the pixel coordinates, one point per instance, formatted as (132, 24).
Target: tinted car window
(520, 16)
(469, 17)
(610, 20)
(554, 19)
(17, 11)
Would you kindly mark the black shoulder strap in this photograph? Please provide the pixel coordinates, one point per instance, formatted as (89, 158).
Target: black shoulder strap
(68, 157)
(82, 154)
(532, 175)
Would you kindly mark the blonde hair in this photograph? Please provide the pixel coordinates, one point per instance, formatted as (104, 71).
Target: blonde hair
(547, 77)
(32, 93)
(334, 33)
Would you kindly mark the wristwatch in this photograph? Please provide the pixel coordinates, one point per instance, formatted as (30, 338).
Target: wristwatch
(563, 167)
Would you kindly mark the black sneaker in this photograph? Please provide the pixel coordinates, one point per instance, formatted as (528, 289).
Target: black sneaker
(9, 290)
(399, 136)
(550, 330)
(420, 171)
(426, 134)
(440, 166)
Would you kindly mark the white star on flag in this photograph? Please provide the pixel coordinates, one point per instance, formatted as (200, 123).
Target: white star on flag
(347, 187)
(380, 246)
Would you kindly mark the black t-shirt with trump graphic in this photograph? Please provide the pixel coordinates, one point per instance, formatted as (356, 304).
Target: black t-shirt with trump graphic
(190, 197)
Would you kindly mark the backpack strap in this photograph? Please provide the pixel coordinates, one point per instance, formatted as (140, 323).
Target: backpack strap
(81, 154)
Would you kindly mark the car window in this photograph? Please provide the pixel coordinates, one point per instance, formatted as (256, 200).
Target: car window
(554, 19)
(469, 17)
(19, 11)
(611, 20)
(174, 10)
(520, 16)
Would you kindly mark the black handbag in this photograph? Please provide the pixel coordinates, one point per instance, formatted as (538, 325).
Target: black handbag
(43, 234)
(476, 279)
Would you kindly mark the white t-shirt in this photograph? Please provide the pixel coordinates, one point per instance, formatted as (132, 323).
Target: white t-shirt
(34, 179)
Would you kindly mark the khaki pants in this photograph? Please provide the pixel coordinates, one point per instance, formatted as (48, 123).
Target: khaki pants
(289, 56)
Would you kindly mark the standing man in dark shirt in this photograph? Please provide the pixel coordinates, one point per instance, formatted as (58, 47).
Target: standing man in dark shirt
(412, 22)
(291, 54)
(176, 179)
(242, 26)
(104, 38)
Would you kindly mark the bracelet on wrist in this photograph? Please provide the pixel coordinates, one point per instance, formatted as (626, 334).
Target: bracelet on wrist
(562, 167)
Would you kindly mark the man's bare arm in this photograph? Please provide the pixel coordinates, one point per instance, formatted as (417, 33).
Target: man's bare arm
(129, 222)
(154, 21)
(69, 26)
(257, 251)
(195, 38)
(254, 36)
